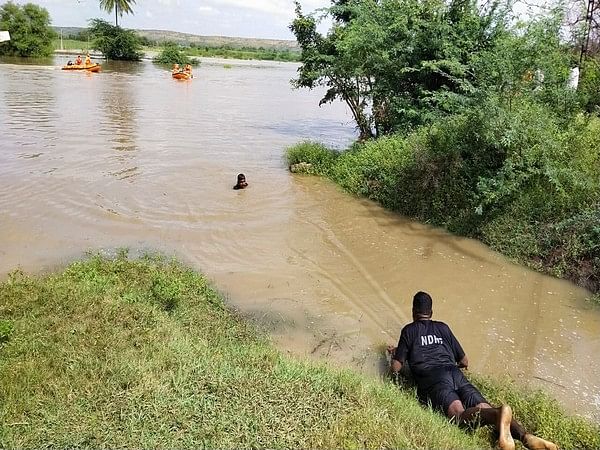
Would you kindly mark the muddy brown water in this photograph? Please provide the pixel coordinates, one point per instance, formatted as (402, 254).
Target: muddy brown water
(130, 157)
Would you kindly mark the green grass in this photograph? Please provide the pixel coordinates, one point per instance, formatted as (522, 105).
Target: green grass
(538, 411)
(71, 44)
(145, 354)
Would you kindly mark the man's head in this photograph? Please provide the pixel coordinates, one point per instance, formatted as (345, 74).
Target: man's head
(241, 179)
(422, 306)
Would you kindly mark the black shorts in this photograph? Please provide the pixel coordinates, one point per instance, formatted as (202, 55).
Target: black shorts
(445, 385)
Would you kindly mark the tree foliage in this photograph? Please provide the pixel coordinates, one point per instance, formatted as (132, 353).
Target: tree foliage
(118, 6)
(172, 54)
(115, 42)
(396, 63)
(487, 136)
(30, 31)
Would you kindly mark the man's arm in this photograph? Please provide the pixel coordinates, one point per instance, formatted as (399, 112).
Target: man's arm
(459, 354)
(395, 365)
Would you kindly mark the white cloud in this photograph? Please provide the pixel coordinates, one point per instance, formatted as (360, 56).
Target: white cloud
(282, 8)
(207, 10)
(246, 18)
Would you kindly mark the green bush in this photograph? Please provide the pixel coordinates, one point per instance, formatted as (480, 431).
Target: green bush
(317, 155)
(588, 90)
(173, 54)
(115, 42)
(572, 241)
(30, 31)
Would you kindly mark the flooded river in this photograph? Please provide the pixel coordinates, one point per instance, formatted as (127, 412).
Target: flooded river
(130, 157)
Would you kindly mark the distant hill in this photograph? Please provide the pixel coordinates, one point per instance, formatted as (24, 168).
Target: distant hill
(208, 41)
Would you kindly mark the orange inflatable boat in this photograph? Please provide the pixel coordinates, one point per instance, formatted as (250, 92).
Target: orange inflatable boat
(89, 67)
(182, 75)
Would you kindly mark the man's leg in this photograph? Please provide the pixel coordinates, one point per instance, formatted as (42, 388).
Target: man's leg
(517, 430)
(471, 397)
(535, 443)
(500, 417)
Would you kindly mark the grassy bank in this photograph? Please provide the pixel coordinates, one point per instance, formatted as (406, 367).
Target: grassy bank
(523, 181)
(71, 44)
(121, 353)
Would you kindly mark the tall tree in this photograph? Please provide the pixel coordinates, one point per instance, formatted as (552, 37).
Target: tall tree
(115, 42)
(118, 6)
(396, 63)
(29, 27)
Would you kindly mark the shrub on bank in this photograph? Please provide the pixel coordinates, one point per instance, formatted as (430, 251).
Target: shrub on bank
(320, 157)
(515, 176)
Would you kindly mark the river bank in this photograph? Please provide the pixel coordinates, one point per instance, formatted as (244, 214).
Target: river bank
(84, 165)
(548, 223)
(114, 352)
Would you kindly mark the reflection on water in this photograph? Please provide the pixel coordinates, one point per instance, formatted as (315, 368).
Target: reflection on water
(119, 126)
(130, 157)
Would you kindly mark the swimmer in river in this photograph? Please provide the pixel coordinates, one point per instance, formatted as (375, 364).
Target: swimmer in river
(435, 358)
(241, 182)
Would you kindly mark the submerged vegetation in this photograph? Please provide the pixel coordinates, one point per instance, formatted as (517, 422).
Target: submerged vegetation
(144, 353)
(172, 54)
(482, 129)
(115, 42)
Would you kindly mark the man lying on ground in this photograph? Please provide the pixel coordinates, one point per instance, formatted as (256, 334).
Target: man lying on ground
(435, 358)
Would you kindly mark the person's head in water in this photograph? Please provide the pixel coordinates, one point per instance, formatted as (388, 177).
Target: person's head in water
(422, 306)
(241, 182)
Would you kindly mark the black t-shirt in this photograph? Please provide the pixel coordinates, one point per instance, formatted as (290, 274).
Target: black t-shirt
(428, 345)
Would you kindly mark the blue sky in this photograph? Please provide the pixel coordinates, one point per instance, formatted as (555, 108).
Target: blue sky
(245, 18)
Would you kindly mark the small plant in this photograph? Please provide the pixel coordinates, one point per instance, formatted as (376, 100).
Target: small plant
(165, 292)
(6, 330)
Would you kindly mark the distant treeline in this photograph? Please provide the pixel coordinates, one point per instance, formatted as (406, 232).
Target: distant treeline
(79, 40)
(150, 38)
(227, 51)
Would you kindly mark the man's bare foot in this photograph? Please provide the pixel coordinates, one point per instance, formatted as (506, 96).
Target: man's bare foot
(505, 441)
(535, 443)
